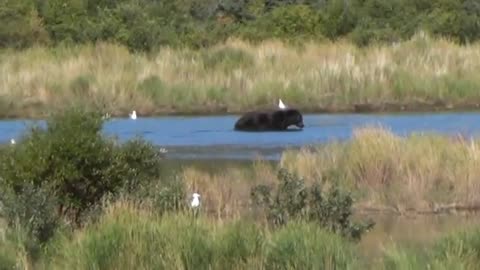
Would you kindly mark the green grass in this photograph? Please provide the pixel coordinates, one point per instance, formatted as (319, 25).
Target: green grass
(459, 250)
(418, 74)
(126, 238)
(133, 237)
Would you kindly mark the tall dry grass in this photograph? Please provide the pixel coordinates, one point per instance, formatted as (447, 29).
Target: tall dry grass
(237, 76)
(420, 172)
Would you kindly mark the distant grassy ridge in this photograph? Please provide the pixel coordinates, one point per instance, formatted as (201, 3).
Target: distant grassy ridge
(419, 74)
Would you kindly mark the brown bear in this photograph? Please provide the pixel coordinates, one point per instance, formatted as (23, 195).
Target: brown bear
(269, 120)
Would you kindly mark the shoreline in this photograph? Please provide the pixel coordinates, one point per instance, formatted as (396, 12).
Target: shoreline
(390, 108)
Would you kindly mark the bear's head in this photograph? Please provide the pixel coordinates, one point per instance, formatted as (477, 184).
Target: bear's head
(289, 117)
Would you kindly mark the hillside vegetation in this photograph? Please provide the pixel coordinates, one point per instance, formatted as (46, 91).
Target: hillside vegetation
(145, 24)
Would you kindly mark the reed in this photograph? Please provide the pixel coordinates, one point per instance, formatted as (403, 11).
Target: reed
(422, 172)
(418, 173)
(422, 73)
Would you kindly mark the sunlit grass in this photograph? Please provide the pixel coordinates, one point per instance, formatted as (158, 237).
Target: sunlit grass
(127, 237)
(237, 76)
(423, 172)
(419, 172)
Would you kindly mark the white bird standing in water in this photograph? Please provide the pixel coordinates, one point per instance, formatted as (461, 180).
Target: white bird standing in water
(106, 116)
(12, 141)
(195, 202)
(281, 105)
(133, 115)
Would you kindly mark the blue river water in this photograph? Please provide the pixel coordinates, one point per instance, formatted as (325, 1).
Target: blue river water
(213, 137)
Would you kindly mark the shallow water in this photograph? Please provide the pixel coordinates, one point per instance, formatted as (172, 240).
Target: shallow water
(197, 137)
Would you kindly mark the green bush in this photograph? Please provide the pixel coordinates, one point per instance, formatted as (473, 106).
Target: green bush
(293, 201)
(31, 212)
(66, 21)
(145, 25)
(75, 163)
(339, 18)
(20, 24)
(286, 23)
(457, 20)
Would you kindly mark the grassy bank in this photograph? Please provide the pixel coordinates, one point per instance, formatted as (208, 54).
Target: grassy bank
(419, 74)
(421, 173)
(131, 236)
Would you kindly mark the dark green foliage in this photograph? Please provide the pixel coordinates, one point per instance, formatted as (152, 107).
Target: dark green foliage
(293, 200)
(75, 165)
(339, 17)
(20, 24)
(459, 20)
(34, 212)
(144, 25)
(66, 21)
(286, 23)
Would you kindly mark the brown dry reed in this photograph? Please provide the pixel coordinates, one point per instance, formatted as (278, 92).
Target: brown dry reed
(236, 76)
(417, 173)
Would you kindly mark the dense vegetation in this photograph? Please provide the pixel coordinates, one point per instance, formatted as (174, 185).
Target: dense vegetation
(58, 178)
(72, 198)
(146, 24)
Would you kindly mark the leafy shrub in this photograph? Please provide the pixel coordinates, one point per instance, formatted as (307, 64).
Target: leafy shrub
(144, 25)
(20, 24)
(457, 20)
(293, 200)
(66, 21)
(287, 23)
(339, 18)
(75, 163)
(33, 212)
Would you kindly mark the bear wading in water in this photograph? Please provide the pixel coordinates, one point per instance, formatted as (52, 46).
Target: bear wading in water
(269, 120)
